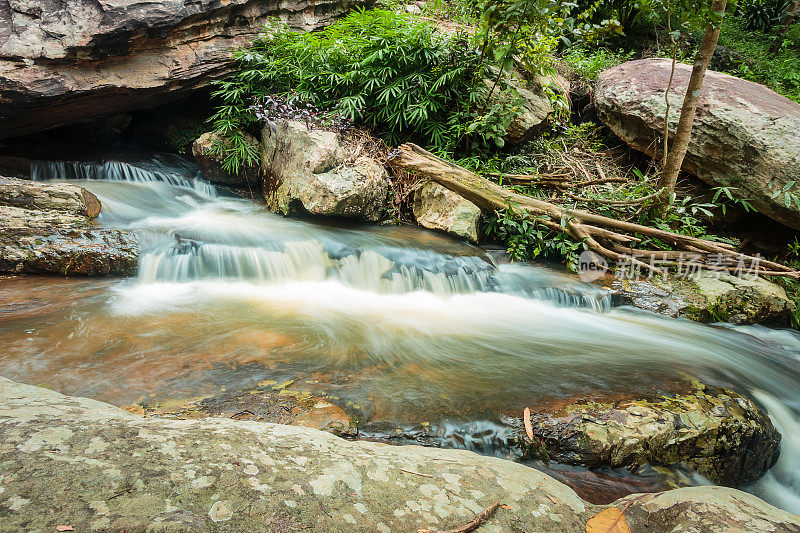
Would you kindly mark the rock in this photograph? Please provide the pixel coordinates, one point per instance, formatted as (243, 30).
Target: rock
(46, 228)
(712, 297)
(278, 405)
(438, 208)
(211, 164)
(116, 470)
(57, 197)
(305, 170)
(720, 434)
(534, 104)
(95, 252)
(745, 135)
(72, 62)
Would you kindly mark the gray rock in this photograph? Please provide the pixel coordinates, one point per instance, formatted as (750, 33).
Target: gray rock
(712, 297)
(46, 228)
(745, 135)
(57, 197)
(306, 170)
(211, 164)
(534, 104)
(717, 432)
(438, 208)
(71, 62)
(79, 462)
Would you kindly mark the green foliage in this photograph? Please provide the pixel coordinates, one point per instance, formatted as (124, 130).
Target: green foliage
(526, 239)
(398, 76)
(753, 60)
(761, 15)
(589, 63)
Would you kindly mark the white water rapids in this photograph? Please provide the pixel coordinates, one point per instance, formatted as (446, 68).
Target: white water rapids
(424, 328)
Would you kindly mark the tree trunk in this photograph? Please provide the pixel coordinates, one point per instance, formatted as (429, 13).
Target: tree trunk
(787, 22)
(603, 235)
(680, 142)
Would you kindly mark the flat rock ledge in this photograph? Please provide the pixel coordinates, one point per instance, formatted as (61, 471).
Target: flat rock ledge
(86, 464)
(48, 229)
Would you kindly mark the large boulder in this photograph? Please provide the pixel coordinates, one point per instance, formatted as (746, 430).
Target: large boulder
(305, 169)
(717, 432)
(71, 62)
(47, 228)
(438, 208)
(210, 162)
(745, 135)
(67, 461)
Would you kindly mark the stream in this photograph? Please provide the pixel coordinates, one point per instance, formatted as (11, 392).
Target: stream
(399, 326)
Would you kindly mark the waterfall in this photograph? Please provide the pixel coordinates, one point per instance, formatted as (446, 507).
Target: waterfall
(160, 169)
(421, 327)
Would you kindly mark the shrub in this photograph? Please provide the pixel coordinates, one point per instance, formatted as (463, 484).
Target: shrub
(761, 15)
(399, 77)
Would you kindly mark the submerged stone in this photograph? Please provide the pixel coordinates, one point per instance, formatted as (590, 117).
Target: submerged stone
(715, 431)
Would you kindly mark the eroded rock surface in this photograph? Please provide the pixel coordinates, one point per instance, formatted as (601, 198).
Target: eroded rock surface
(47, 228)
(71, 62)
(438, 208)
(307, 170)
(744, 135)
(118, 471)
(717, 432)
(712, 297)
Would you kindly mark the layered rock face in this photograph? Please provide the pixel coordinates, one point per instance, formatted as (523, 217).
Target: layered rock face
(48, 229)
(118, 471)
(720, 434)
(306, 169)
(745, 135)
(71, 62)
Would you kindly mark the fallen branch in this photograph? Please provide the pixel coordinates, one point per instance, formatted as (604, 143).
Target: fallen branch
(412, 472)
(598, 232)
(472, 525)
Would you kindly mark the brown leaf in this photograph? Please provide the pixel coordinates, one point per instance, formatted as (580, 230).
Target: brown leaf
(526, 416)
(65, 528)
(610, 520)
(504, 506)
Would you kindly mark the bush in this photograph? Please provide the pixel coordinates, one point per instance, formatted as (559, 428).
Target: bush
(761, 15)
(588, 64)
(399, 77)
(779, 71)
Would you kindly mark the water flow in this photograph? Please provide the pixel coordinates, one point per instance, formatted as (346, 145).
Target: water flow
(404, 326)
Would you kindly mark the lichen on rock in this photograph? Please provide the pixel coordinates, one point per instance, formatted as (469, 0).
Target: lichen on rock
(718, 433)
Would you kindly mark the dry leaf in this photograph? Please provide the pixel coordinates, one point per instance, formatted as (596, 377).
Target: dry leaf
(504, 506)
(65, 528)
(526, 416)
(610, 520)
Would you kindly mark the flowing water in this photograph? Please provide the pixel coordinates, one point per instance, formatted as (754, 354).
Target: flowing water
(399, 326)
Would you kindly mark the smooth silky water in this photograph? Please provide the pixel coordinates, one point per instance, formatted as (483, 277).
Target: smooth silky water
(397, 325)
